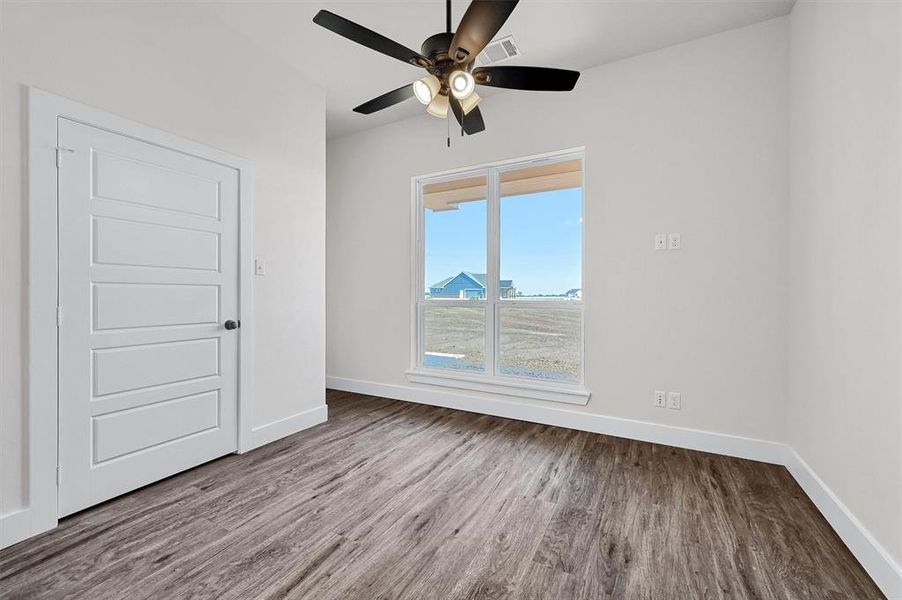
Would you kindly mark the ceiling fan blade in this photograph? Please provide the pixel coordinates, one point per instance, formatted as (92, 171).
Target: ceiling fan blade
(385, 100)
(370, 39)
(471, 122)
(483, 19)
(540, 79)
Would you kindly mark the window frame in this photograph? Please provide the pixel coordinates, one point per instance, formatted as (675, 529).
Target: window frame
(490, 380)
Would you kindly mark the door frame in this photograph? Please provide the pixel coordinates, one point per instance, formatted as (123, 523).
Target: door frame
(41, 459)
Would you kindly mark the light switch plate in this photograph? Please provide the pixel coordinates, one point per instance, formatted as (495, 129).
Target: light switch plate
(259, 267)
(661, 241)
(675, 241)
(674, 400)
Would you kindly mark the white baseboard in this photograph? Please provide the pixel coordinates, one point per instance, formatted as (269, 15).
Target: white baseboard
(264, 434)
(872, 556)
(17, 526)
(693, 439)
(14, 527)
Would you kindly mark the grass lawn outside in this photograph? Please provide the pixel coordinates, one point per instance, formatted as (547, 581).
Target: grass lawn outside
(542, 343)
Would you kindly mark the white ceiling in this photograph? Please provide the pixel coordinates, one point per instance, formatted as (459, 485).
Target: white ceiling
(573, 34)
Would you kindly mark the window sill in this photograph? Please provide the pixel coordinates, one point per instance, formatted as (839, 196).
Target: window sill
(569, 394)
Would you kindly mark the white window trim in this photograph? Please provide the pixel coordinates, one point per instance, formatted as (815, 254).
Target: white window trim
(490, 381)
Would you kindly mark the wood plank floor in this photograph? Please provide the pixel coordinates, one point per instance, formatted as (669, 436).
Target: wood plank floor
(396, 500)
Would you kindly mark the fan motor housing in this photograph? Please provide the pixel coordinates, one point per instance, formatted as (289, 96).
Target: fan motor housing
(436, 46)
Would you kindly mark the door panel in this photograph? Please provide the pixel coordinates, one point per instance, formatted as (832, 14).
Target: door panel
(126, 431)
(124, 306)
(118, 242)
(148, 273)
(136, 367)
(128, 180)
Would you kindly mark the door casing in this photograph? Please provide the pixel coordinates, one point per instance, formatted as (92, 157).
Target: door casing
(44, 111)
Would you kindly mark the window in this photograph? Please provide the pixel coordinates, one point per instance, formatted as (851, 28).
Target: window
(498, 278)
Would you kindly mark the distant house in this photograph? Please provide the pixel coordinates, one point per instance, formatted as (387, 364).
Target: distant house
(466, 285)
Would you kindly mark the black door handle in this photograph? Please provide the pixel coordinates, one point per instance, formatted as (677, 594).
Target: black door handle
(230, 324)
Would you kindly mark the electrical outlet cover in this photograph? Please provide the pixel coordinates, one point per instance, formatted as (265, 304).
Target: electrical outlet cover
(661, 241)
(675, 241)
(660, 400)
(674, 400)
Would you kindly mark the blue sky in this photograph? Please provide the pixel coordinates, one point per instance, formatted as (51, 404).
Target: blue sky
(540, 241)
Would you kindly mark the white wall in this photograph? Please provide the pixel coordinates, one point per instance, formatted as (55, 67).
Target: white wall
(177, 69)
(845, 405)
(690, 139)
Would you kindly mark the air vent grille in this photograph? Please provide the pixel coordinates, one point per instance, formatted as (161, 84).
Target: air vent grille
(498, 50)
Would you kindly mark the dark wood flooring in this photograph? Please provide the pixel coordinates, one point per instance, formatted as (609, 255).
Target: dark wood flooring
(396, 500)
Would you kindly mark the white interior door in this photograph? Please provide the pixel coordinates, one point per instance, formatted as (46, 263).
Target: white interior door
(148, 275)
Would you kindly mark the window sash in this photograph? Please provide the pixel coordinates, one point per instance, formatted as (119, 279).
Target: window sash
(491, 303)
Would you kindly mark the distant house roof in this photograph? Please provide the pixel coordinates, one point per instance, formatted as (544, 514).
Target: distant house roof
(442, 283)
(477, 278)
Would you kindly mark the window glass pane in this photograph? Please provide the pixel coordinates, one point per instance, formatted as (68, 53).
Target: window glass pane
(541, 343)
(455, 238)
(455, 337)
(541, 232)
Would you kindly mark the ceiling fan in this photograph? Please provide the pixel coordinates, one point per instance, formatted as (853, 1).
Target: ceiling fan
(448, 58)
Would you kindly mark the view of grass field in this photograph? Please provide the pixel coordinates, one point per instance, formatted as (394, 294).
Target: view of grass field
(540, 343)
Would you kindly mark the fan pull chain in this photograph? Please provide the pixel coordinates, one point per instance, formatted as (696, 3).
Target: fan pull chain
(448, 123)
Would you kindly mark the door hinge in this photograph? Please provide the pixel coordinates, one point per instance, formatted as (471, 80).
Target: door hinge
(59, 316)
(59, 154)
(59, 470)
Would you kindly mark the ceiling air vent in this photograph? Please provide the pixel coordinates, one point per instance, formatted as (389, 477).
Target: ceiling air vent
(498, 50)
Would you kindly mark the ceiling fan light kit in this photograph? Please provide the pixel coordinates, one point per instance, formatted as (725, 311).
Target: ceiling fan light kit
(449, 59)
(439, 106)
(426, 89)
(470, 102)
(462, 84)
